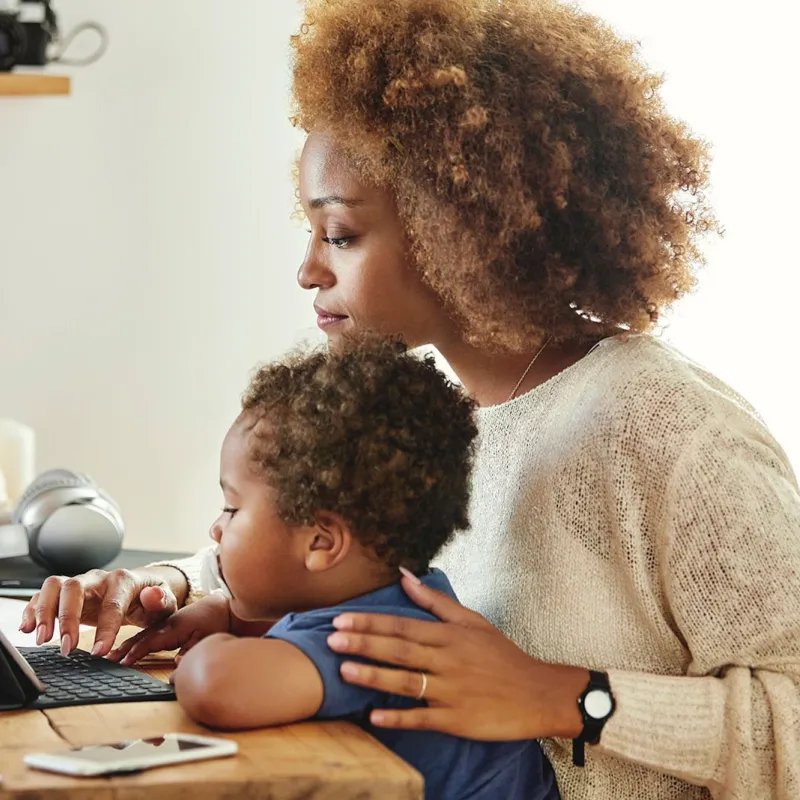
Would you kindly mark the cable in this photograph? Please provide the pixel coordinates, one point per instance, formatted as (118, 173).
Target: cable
(62, 44)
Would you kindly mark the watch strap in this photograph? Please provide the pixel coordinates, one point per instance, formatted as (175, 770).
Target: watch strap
(592, 726)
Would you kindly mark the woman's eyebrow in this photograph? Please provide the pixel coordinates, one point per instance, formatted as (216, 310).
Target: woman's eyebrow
(334, 200)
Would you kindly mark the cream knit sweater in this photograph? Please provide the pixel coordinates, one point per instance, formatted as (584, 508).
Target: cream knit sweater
(634, 515)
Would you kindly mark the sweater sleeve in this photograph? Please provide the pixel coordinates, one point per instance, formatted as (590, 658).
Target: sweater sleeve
(730, 567)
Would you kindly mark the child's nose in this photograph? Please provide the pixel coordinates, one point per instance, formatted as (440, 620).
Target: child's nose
(216, 532)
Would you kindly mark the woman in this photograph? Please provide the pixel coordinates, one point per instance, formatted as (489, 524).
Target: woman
(500, 179)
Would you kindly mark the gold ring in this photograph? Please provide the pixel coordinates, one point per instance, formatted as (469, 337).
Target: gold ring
(423, 687)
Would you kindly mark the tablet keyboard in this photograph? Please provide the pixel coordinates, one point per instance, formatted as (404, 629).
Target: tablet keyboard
(82, 679)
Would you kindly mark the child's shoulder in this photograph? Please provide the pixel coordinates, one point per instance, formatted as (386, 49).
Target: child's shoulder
(389, 599)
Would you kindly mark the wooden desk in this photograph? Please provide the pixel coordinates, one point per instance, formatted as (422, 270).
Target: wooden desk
(312, 761)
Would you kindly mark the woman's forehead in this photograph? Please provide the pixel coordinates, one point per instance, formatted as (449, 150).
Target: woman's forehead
(327, 176)
(323, 165)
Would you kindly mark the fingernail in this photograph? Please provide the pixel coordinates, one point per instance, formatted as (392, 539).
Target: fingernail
(411, 576)
(41, 634)
(376, 717)
(349, 670)
(65, 645)
(338, 641)
(98, 646)
(343, 623)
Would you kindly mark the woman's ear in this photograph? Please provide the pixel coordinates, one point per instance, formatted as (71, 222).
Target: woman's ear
(329, 542)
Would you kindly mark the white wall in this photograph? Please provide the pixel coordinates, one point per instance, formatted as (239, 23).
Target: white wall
(147, 260)
(733, 75)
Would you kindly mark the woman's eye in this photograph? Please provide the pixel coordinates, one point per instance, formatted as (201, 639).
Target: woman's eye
(229, 510)
(340, 242)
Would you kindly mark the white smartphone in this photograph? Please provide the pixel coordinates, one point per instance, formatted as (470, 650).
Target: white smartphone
(132, 756)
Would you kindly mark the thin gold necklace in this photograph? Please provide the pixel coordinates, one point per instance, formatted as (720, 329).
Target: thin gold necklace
(528, 369)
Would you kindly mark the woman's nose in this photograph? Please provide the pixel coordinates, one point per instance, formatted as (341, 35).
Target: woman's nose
(215, 532)
(313, 272)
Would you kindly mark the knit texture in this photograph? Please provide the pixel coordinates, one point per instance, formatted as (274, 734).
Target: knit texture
(633, 514)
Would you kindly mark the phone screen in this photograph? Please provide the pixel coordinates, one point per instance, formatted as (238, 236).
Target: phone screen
(136, 749)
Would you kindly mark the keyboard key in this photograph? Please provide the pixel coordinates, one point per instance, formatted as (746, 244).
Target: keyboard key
(44, 700)
(82, 678)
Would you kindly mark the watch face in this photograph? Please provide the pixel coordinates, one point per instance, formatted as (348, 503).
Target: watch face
(597, 704)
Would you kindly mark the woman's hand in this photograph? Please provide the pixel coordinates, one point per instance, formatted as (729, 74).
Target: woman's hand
(183, 630)
(479, 684)
(107, 600)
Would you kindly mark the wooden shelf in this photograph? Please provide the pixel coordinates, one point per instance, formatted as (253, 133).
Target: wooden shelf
(18, 84)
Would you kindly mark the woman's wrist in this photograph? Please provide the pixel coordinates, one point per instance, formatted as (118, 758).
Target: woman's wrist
(555, 698)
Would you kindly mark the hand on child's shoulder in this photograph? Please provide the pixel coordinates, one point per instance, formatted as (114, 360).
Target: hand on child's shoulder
(184, 629)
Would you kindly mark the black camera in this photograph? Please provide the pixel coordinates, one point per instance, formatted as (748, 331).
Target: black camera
(26, 34)
(13, 40)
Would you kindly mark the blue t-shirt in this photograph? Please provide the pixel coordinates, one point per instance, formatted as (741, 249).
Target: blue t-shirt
(453, 768)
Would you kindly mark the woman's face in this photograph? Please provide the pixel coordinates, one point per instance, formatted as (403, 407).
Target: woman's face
(357, 260)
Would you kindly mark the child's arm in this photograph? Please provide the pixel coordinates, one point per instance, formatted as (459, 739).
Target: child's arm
(229, 682)
(185, 628)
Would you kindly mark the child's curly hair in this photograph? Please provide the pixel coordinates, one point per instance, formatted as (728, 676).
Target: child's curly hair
(373, 433)
(543, 187)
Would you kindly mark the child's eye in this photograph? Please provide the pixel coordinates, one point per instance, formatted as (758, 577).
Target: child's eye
(229, 510)
(340, 242)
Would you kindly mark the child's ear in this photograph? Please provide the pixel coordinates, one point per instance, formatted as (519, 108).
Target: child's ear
(329, 542)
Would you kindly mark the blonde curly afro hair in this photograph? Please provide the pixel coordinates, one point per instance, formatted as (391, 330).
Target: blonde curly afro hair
(543, 187)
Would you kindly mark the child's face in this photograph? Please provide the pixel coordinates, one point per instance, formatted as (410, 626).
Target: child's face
(261, 558)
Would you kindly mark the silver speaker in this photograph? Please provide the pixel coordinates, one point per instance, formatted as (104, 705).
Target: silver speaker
(65, 523)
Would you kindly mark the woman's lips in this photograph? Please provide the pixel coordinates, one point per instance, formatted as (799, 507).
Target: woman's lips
(325, 318)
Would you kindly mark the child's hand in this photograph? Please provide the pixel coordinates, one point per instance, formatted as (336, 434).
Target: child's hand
(183, 630)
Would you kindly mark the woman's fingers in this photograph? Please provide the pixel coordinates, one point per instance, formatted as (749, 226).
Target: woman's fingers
(415, 630)
(28, 624)
(114, 595)
(440, 605)
(157, 602)
(121, 590)
(70, 609)
(394, 681)
(386, 649)
(47, 608)
(418, 719)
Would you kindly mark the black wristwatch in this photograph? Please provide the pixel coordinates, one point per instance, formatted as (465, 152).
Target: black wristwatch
(596, 705)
